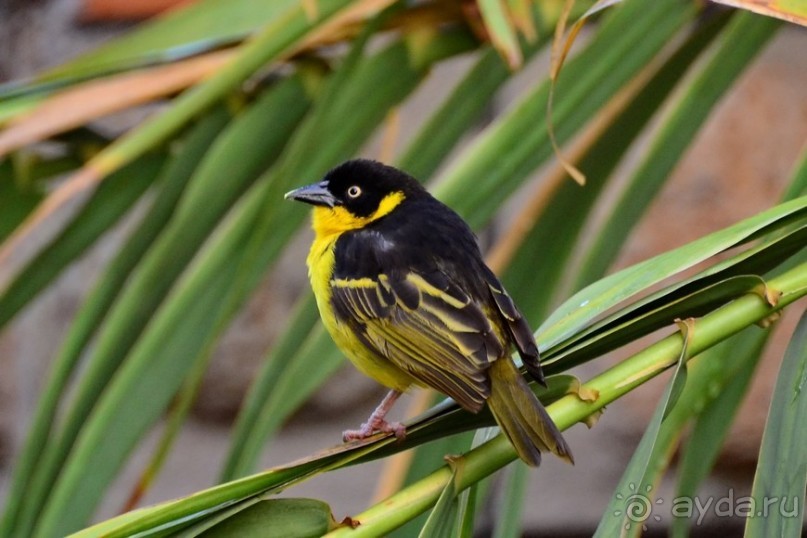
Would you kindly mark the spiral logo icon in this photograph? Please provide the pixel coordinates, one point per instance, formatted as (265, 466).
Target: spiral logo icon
(638, 507)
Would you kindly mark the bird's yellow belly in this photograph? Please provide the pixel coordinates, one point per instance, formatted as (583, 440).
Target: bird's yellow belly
(321, 261)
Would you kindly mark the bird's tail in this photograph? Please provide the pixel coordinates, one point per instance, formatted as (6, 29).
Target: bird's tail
(521, 416)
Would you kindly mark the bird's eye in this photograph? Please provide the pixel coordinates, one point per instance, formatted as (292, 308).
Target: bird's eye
(354, 191)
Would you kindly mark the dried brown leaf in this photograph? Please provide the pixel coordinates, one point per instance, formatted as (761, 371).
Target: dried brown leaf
(89, 101)
(521, 15)
(126, 10)
(390, 135)
(591, 420)
(504, 250)
(794, 11)
(311, 9)
(560, 49)
(687, 328)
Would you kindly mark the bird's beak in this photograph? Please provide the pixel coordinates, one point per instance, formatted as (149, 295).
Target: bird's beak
(316, 194)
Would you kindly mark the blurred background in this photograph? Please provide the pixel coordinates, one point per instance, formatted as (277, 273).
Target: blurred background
(739, 163)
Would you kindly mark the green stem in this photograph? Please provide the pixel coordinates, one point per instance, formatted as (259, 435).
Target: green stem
(615, 382)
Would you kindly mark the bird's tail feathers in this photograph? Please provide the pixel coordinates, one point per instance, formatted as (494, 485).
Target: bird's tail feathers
(522, 418)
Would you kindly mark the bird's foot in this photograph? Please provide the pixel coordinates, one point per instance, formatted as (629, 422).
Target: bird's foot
(372, 426)
(376, 422)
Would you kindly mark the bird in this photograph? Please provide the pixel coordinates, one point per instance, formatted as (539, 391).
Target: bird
(403, 290)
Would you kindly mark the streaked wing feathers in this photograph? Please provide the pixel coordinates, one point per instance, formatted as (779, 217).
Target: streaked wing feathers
(425, 325)
(518, 327)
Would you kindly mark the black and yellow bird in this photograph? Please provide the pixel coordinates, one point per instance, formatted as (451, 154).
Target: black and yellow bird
(402, 288)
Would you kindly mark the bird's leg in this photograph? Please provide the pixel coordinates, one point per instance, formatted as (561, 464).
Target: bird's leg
(376, 421)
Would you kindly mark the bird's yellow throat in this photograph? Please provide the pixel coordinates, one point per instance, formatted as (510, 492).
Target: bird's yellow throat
(329, 221)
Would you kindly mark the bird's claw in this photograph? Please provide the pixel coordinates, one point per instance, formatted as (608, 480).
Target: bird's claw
(369, 428)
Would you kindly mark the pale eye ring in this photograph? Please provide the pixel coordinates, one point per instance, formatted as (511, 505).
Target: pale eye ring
(354, 191)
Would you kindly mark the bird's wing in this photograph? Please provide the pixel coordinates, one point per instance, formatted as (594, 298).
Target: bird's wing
(426, 325)
(517, 326)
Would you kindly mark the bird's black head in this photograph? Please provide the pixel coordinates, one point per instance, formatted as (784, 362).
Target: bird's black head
(362, 188)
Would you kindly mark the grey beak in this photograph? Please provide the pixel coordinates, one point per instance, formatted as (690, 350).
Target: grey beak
(316, 194)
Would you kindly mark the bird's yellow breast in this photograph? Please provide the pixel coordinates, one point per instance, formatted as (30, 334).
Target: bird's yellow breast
(328, 225)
